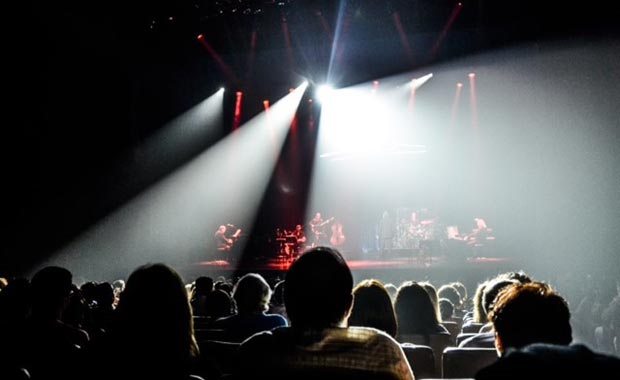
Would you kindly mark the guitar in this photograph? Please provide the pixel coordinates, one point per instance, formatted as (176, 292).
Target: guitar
(317, 229)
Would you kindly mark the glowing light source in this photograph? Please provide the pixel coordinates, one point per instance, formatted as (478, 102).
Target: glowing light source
(418, 82)
(324, 92)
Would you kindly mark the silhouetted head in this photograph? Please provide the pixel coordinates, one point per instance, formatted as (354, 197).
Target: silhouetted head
(318, 289)
(252, 294)
(50, 289)
(154, 313)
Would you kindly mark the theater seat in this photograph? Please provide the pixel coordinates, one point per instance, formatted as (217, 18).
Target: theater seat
(465, 362)
(421, 359)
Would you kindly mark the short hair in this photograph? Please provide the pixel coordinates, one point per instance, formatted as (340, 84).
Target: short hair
(450, 292)
(446, 308)
(531, 313)
(251, 294)
(203, 285)
(492, 289)
(318, 288)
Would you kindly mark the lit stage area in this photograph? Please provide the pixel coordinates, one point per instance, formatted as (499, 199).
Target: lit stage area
(417, 153)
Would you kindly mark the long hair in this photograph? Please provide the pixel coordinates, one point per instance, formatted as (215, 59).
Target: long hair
(415, 311)
(372, 307)
(155, 316)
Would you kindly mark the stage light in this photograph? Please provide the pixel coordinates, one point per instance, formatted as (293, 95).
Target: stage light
(459, 84)
(418, 82)
(222, 89)
(324, 92)
(472, 75)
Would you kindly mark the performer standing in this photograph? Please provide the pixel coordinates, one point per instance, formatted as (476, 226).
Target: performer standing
(317, 226)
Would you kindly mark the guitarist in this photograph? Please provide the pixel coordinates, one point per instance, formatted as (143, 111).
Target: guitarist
(317, 227)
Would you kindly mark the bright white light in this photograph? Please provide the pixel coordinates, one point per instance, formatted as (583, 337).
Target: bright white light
(324, 92)
(222, 89)
(418, 82)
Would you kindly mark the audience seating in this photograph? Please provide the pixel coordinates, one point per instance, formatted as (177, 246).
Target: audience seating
(465, 362)
(421, 359)
(438, 342)
(453, 328)
(472, 327)
(219, 357)
(462, 336)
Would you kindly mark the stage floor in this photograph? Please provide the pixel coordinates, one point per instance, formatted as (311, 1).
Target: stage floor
(439, 269)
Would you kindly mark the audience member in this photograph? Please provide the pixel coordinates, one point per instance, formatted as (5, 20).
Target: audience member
(318, 298)
(533, 335)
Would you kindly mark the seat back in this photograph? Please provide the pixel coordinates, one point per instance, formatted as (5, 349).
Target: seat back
(472, 327)
(462, 336)
(453, 328)
(421, 359)
(219, 358)
(438, 342)
(465, 362)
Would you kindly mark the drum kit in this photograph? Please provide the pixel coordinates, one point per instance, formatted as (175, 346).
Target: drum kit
(415, 235)
(289, 245)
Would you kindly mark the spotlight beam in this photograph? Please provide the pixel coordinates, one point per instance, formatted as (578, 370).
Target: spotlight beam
(174, 220)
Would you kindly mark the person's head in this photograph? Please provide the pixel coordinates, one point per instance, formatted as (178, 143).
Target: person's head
(298, 227)
(50, 289)
(520, 276)
(372, 307)
(491, 290)
(446, 309)
(277, 298)
(432, 292)
(392, 290)
(154, 312)
(221, 229)
(480, 316)
(203, 285)
(318, 289)
(220, 305)
(251, 294)
(460, 287)
(414, 310)
(530, 313)
(448, 291)
(317, 216)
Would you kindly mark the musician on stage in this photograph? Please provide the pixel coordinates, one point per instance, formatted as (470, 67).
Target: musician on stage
(300, 237)
(317, 226)
(223, 239)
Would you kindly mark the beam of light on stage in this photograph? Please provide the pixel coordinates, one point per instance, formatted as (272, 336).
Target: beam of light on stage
(365, 134)
(174, 221)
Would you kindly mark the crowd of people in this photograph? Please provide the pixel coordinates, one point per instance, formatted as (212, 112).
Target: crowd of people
(314, 323)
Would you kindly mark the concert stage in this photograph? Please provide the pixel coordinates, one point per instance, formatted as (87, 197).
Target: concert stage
(438, 269)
